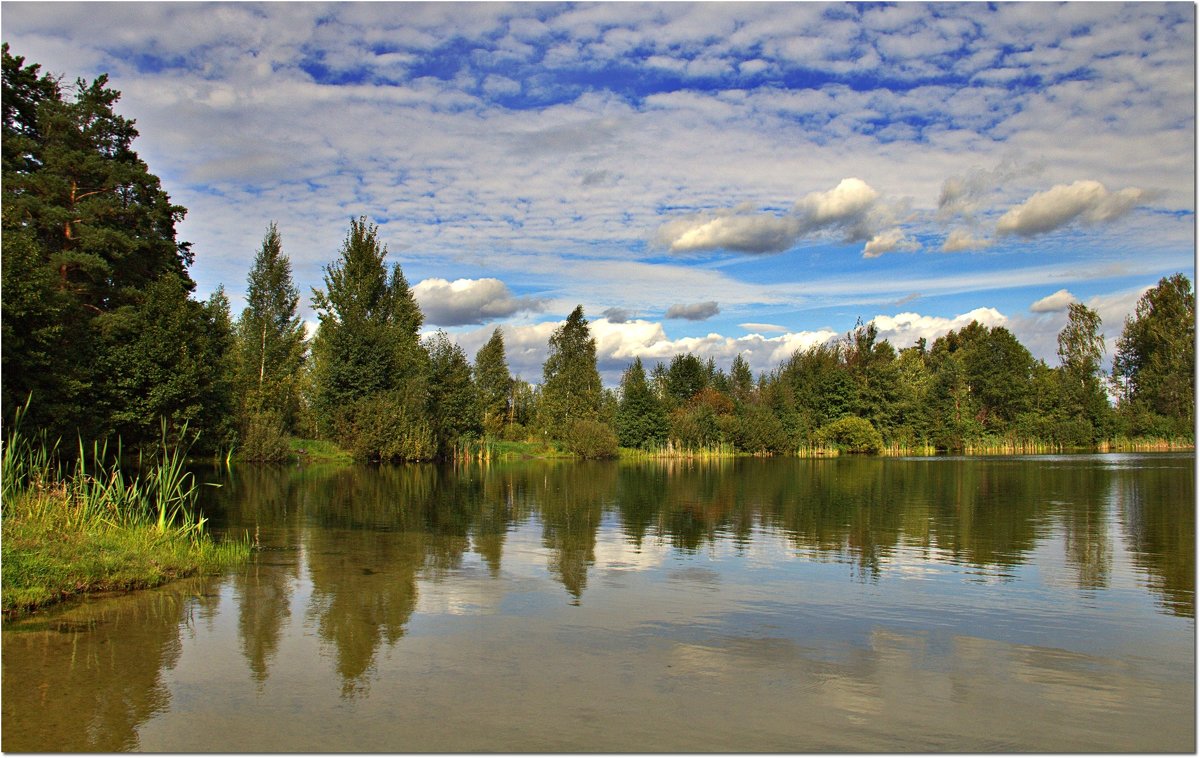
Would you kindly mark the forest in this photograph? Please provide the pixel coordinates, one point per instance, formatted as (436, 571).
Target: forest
(104, 339)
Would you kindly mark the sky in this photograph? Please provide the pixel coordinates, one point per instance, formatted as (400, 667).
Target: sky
(716, 178)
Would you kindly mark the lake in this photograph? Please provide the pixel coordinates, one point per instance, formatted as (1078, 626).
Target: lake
(1041, 603)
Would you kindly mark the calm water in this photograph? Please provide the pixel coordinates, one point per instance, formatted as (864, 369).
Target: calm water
(1006, 604)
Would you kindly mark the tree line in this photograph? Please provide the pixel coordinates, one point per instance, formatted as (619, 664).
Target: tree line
(103, 338)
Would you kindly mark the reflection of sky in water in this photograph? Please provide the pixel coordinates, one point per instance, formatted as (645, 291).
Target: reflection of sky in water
(409, 637)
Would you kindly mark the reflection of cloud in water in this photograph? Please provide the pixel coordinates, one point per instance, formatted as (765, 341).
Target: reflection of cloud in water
(615, 553)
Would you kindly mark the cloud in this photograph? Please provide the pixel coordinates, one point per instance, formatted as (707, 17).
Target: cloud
(892, 240)
(694, 311)
(963, 195)
(759, 233)
(852, 210)
(1053, 303)
(469, 301)
(755, 327)
(846, 206)
(617, 315)
(959, 240)
(904, 329)
(1058, 206)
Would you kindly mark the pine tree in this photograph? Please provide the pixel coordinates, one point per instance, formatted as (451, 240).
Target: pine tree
(270, 337)
(89, 246)
(494, 384)
(453, 399)
(641, 420)
(370, 372)
(571, 382)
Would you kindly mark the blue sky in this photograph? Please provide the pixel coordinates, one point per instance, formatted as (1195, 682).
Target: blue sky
(719, 178)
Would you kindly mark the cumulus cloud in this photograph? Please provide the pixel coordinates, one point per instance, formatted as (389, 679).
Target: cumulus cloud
(694, 311)
(469, 301)
(904, 329)
(852, 210)
(1086, 200)
(1053, 303)
(959, 240)
(892, 240)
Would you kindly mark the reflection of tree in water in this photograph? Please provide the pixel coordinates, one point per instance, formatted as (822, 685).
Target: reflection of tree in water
(1157, 507)
(1083, 494)
(264, 504)
(117, 650)
(364, 562)
(571, 503)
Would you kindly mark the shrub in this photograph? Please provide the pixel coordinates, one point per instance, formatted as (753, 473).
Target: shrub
(851, 434)
(591, 439)
(263, 438)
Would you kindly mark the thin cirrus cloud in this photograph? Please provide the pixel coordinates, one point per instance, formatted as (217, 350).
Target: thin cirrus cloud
(852, 210)
(469, 301)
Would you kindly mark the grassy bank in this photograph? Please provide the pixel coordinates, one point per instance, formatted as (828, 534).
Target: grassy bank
(87, 526)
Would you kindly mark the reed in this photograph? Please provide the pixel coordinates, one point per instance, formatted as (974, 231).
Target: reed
(1145, 445)
(86, 524)
(672, 450)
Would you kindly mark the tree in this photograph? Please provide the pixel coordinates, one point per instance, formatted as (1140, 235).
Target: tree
(1082, 399)
(453, 400)
(270, 338)
(494, 384)
(570, 380)
(741, 381)
(1156, 359)
(686, 376)
(89, 247)
(641, 421)
(371, 373)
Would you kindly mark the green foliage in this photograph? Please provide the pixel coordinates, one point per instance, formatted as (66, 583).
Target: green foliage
(90, 256)
(453, 399)
(270, 343)
(571, 382)
(588, 438)
(851, 434)
(370, 373)
(641, 421)
(494, 384)
(264, 438)
(686, 376)
(388, 426)
(1155, 362)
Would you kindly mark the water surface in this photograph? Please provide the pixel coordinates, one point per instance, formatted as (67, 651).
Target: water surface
(944, 604)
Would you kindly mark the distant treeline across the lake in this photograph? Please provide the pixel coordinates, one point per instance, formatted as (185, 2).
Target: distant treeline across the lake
(102, 337)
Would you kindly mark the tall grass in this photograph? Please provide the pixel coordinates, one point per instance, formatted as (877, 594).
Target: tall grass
(84, 523)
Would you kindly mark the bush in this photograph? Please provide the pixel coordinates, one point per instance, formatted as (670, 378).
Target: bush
(515, 432)
(263, 439)
(384, 428)
(591, 439)
(851, 434)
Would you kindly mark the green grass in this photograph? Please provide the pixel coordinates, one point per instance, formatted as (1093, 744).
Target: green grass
(318, 451)
(87, 526)
(49, 557)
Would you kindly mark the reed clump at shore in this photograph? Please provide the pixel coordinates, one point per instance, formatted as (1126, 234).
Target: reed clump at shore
(82, 523)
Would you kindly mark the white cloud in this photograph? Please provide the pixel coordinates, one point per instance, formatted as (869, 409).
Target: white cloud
(851, 209)
(1058, 206)
(959, 240)
(756, 327)
(469, 301)
(1053, 303)
(904, 329)
(892, 240)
